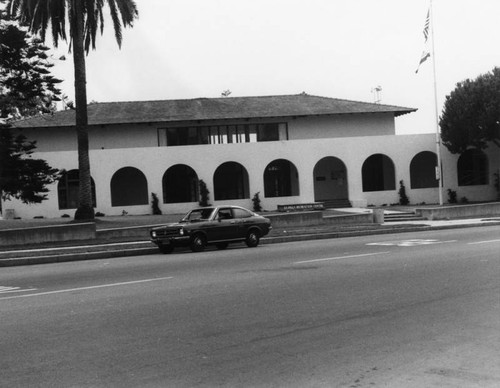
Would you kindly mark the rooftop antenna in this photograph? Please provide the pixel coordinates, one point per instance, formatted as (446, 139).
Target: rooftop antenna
(376, 94)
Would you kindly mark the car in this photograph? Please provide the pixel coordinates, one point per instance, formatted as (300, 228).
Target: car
(212, 225)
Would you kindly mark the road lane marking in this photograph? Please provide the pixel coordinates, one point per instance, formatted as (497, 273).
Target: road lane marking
(88, 288)
(341, 257)
(6, 289)
(411, 243)
(483, 242)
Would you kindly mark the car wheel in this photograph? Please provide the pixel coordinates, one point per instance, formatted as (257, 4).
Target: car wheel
(198, 243)
(253, 238)
(166, 248)
(221, 246)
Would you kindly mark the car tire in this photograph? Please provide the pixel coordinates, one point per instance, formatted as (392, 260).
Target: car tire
(253, 238)
(166, 248)
(222, 246)
(198, 243)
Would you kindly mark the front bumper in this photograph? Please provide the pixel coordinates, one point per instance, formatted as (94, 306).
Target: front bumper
(177, 241)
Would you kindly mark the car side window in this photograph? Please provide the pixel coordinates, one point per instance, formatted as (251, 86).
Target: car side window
(225, 214)
(241, 213)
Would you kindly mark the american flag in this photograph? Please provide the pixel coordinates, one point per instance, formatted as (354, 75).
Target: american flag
(426, 25)
(426, 53)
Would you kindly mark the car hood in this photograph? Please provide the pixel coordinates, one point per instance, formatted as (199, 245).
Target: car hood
(171, 225)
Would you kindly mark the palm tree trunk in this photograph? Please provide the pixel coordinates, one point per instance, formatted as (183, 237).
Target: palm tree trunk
(85, 209)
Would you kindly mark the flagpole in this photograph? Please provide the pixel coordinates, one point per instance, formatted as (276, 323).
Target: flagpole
(438, 136)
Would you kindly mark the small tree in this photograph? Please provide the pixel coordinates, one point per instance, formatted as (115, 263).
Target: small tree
(204, 193)
(256, 202)
(403, 198)
(154, 204)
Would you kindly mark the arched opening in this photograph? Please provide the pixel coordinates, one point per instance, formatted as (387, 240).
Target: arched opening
(180, 184)
(423, 170)
(330, 180)
(378, 173)
(281, 179)
(129, 187)
(231, 182)
(68, 188)
(472, 168)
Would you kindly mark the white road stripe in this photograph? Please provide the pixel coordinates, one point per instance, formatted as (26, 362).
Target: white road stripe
(88, 288)
(341, 257)
(483, 242)
(5, 290)
(411, 243)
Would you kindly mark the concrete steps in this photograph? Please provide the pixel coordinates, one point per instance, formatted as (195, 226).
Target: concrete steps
(402, 216)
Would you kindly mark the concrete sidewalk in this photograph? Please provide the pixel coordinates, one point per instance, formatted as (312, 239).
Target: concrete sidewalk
(103, 248)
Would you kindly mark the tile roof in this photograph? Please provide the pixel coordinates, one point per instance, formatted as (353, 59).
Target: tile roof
(200, 109)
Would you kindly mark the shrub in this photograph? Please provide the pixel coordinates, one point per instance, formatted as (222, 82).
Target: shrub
(452, 196)
(154, 204)
(204, 193)
(403, 198)
(256, 202)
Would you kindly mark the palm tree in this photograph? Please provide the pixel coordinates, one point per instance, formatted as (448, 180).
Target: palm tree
(85, 18)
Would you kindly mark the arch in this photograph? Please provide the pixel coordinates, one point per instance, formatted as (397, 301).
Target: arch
(423, 170)
(472, 168)
(68, 188)
(330, 180)
(231, 182)
(281, 179)
(129, 187)
(180, 184)
(378, 173)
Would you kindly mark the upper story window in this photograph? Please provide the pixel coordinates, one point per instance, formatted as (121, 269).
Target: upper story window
(222, 134)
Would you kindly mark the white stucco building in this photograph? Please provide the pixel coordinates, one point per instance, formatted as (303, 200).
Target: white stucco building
(290, 149)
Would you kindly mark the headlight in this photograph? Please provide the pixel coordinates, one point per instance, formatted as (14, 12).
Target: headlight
(181, 231)
(153, 234)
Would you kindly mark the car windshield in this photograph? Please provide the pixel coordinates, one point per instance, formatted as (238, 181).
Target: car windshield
(198, 215)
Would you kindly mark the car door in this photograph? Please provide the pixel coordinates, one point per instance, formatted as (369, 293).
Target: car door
(226, 227)
(243, 219)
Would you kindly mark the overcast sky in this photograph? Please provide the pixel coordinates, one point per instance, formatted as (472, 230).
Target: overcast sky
(334, 48)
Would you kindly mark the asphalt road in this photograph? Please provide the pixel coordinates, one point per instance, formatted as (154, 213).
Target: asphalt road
(402, 310)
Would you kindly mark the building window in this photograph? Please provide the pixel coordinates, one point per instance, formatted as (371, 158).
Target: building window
(472, 168)
(222, 134)
(281, 179)
(129, 187)
(68, 190)
(231, 182)
(378, 173)
(423, 170)
(180, 184)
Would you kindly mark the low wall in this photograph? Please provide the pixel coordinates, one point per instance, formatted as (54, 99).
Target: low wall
(462, 211)
(68, 232)
(362, 218)
(136, 231)
(295, 219)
